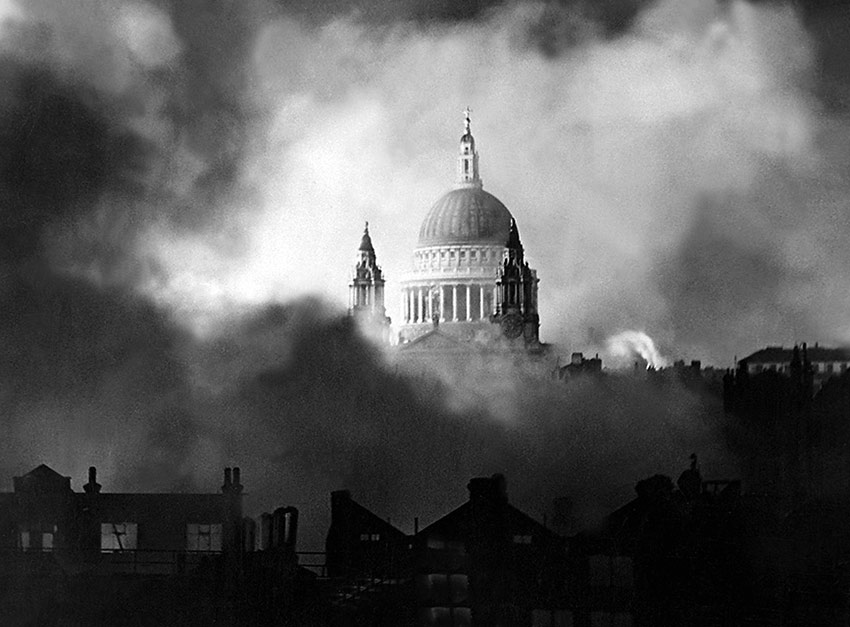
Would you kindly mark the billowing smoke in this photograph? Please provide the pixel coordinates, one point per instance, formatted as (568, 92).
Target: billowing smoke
(308, 406)
(116, 120)
(626, 346)
(170, 170)
(681, 177)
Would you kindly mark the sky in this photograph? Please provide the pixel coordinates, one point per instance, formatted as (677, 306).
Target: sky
(183, 186)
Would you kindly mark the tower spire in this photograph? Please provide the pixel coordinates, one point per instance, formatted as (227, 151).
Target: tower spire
(366, 241)
(366, 290)
(467, 160)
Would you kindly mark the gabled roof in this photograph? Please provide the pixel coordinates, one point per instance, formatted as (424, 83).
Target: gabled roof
(42, 479)
(43, 472)
(360, 517)
(459, 522)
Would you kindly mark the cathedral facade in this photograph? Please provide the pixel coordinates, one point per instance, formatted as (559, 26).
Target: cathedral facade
(470, 284)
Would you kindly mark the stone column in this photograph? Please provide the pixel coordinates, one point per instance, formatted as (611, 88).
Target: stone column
(496, 302)
(468, 303)
(430, 305)
(481, 301)
(405, 305)
(454, 302)
(442, 303)
(421, 306)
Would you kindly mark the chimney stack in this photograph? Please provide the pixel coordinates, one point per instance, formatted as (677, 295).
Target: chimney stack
(228, 480)
(237, 475)
(92, 487)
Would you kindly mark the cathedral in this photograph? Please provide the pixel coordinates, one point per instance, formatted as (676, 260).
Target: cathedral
(470, 286)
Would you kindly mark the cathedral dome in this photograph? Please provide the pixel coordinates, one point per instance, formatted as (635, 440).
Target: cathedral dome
(468, 215)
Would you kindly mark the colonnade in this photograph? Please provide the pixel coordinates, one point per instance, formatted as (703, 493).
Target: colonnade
(454, 302)
(366, 296)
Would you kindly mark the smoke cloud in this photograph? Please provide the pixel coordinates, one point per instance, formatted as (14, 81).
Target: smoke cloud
(676, 178)
(180, 182)
(626, 346)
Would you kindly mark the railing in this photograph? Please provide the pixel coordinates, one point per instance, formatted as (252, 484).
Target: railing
(357, 582)
(127, 562)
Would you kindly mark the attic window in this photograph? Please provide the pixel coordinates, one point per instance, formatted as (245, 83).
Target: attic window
(370, 537)
(118, 537)
(522, 539)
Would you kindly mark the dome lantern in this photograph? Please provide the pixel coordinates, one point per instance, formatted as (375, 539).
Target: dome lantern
(467, 160)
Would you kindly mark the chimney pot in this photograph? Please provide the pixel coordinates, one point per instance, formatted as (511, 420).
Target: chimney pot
(92, 486)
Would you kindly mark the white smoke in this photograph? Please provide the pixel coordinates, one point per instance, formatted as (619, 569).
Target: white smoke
(624, 347)
(604, 155)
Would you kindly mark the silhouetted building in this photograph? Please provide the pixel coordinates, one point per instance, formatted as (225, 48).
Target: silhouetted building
(672, 556)
(485, 563)
(579, 366)
(775, 431)
(44, 514)
(102, 558)
(360, 543)
(488, 563)
(825, 362)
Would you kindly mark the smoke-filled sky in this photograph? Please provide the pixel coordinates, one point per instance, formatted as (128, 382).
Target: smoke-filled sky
(183, 186)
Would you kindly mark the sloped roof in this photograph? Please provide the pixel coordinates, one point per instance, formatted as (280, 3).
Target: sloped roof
(365, 518)
(42, 479)
(42, 472)
(460, 522)
(780, 354)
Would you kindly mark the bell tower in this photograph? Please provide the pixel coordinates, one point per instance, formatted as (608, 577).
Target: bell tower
(516, 293)
(366, 290)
